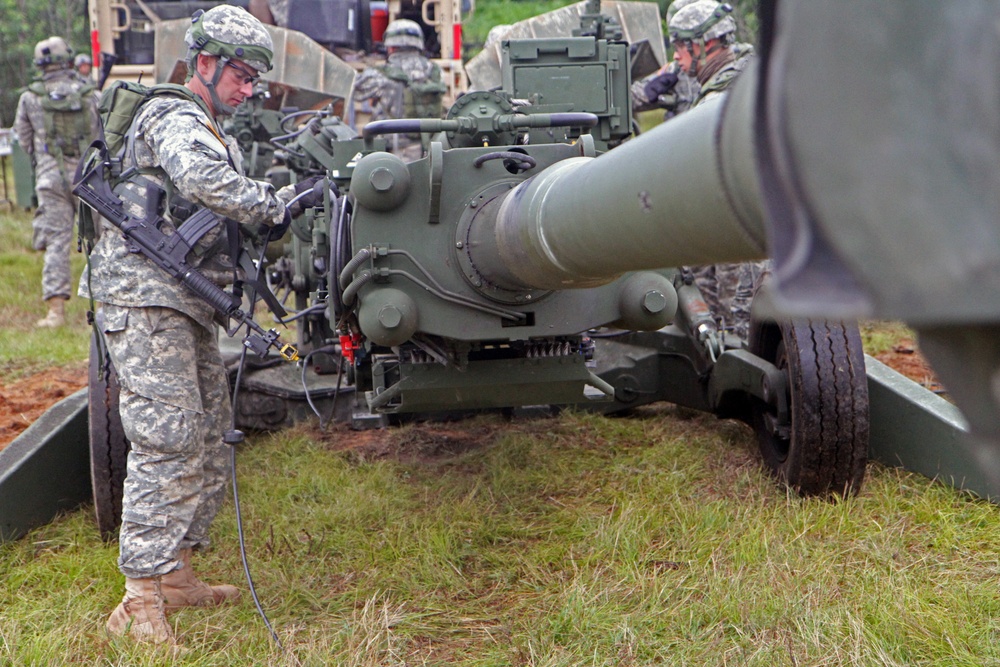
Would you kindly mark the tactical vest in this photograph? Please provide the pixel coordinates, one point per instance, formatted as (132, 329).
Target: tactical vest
(118, 108)
(421, 99)
(67, 119)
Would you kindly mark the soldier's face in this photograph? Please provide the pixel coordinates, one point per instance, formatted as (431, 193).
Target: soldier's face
(684, 56)
(236, 83)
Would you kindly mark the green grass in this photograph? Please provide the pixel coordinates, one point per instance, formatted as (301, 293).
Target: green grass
(24, 349)
(579, 540)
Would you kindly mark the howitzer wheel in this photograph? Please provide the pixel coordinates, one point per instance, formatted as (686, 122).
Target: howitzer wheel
(108, 445)
(823, 449)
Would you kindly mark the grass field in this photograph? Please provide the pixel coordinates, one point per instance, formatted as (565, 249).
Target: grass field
(651, 539)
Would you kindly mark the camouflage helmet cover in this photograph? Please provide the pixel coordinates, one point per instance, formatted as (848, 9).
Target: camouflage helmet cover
(53, 51)
(231, 32)
(702, 20)
(403, 34)
(82, 59)
(675, 7)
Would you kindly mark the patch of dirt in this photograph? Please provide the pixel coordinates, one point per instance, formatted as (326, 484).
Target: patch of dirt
(904, 358)
(418, 442)
(24, 400)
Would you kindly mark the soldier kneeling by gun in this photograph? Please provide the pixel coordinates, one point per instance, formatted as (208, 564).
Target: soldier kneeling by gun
(158, 309)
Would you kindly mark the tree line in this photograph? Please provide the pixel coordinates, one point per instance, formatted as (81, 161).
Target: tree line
(24, 23)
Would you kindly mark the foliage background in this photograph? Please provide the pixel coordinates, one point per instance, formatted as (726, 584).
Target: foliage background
(24, 23)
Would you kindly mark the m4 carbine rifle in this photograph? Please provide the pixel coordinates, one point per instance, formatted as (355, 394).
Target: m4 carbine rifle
(170, 252)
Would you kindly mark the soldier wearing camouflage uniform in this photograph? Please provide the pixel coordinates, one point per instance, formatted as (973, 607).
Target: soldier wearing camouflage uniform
(702, 36)
(175, 402)
(55, 140)
(406, 75)
(669, 88)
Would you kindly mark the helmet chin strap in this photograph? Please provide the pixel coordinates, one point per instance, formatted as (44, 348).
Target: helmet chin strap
(217, 104)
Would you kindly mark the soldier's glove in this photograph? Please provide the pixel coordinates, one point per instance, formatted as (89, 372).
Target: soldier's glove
(309, 194)
(662, 84)
(275, 232)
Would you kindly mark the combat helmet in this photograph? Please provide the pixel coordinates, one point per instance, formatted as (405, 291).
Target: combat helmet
(82, 59)
(675, 7)
(404, 34)
(702, 20)
(53, 51)
(230, 33)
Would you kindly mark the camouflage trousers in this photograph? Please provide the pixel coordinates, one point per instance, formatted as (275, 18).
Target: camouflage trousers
(174, 407)
(728, 290)
(52, 231)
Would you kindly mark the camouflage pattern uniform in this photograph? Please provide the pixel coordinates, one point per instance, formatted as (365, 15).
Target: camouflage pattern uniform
(52, 225)
(161, 338)
(727, 288)
(279, 11)
(681, 96)
(386, 95)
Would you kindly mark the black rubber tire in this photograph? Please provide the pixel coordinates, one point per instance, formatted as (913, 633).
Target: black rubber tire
(108, 445)
(823, 450)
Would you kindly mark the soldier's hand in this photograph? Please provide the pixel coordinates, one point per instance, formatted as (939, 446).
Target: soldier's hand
(275, 232)
(662, 84)
(309, 194)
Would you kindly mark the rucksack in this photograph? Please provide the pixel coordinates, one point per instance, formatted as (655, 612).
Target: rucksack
(120, 104)
(421, 99)
(67, 118)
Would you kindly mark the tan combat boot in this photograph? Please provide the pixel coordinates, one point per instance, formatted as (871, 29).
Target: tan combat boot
(181, 588)
(56, 316)
(141, 613)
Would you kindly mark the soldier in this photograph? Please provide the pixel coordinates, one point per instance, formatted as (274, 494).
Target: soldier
(83, 65)
(174, 402)
(702, 34)
(669, 88)
(55, 122)
(407, 86)
(271, 12)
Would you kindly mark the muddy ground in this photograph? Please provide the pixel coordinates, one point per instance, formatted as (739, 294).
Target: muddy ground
(22, 401)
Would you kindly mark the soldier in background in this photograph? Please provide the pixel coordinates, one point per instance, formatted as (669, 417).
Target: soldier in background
(702, 34)
(669, 88)
(55, 122)
(408, 86)
(174, 401)
(83, 65)
(271, 12)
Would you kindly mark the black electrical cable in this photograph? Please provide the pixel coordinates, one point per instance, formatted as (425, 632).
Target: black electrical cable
(232, 463)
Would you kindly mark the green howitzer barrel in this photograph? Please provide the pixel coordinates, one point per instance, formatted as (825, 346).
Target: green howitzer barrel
(509, 231)
(682, 194)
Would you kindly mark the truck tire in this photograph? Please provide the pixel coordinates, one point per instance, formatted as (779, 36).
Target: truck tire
(822, 450)
(108, 445)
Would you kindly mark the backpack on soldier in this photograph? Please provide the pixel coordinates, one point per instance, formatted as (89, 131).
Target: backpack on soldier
(120, 103)
(421, 99)
(67, 118)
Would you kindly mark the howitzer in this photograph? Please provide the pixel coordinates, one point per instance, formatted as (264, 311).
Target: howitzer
(170, 253)
(514, 268)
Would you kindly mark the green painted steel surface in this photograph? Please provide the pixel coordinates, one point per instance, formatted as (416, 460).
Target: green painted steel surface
(45, 470)
(916, 429)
